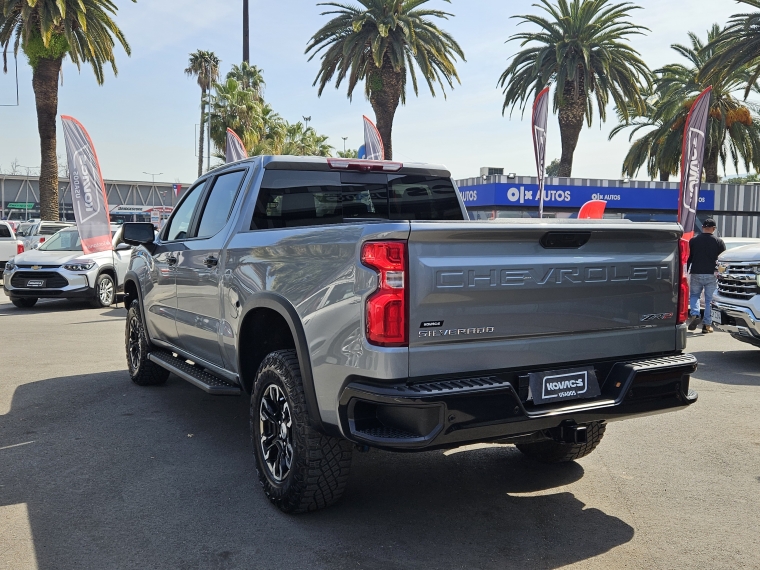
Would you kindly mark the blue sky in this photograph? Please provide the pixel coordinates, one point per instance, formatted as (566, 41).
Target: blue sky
(144, 119)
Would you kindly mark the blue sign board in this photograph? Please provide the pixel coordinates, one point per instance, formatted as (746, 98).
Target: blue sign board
(559, 196)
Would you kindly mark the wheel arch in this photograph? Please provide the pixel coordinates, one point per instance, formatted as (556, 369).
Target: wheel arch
(276, 313)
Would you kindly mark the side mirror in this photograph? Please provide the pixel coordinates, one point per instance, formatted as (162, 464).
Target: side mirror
(123, 247)
(138, 233)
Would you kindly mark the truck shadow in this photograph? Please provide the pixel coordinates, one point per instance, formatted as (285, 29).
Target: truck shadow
(117, 476)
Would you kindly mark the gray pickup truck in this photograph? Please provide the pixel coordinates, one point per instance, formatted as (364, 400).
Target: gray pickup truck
(359, 307)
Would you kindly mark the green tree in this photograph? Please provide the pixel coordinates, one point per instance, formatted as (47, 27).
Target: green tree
(304, 141)
(249, 76)
(379, 42)
(733, 128)
(349, 153)
(48, 31)
(579, 46)
(553, 168)
(737, 48)
(238, 109)
(204, 65)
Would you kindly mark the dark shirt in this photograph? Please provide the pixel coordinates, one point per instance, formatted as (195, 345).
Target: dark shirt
(704, 250)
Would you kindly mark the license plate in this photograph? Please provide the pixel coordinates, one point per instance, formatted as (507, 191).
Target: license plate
(35, 283)
(560, 385)
(716, 317)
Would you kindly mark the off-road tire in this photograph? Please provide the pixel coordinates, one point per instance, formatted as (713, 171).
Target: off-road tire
(142, 371)
(558, 452)
(24, 302)
(103, 280)
(320, 463)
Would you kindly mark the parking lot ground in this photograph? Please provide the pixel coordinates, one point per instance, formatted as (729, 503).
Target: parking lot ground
(96, 472)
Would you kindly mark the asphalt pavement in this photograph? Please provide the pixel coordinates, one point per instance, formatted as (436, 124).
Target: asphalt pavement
(96, 472)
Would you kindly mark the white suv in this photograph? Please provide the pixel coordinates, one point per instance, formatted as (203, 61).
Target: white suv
(59, 269)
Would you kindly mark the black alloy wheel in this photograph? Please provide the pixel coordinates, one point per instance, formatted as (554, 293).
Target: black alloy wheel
(142, 371)
(275, 427)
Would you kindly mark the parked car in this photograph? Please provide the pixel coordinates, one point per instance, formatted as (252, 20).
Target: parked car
(10, 246)
(437, 331)
(736, 304)
(34, 233)
(59, 269)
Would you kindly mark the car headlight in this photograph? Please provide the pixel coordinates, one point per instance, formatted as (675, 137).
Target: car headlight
(79, 265)
(10, 266)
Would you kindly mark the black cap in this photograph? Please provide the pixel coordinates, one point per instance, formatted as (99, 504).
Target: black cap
(709, 223)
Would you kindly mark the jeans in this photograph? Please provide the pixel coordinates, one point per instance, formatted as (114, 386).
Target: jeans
(697, 283)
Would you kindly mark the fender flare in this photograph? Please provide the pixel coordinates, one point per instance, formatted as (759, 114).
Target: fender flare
(131, 277)
(287, 311)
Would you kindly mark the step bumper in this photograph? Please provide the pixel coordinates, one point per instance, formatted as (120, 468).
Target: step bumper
(456, 411)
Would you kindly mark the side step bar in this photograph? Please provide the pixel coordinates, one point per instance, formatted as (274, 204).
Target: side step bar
(196, 376)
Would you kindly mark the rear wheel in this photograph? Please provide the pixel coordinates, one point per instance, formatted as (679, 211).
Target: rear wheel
(24, 302)
(300, 468)
(105, 291)
(551, 451)
(143, 372)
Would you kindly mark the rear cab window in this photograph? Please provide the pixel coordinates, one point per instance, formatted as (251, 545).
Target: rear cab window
(296, 198)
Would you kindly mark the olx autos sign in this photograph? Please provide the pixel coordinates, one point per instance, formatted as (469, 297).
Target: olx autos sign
(565, 196)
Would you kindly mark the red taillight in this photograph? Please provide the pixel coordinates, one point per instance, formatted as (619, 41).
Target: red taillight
(364, 165)
(683, 282)
(19, 248)
(42, 239)
(386, 307)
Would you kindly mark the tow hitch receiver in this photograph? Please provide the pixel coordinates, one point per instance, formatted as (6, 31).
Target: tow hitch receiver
(573, 434)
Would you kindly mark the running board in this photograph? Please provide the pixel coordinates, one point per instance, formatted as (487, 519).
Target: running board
(196, 376)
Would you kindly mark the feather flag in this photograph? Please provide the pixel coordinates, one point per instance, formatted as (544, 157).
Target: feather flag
(88, 193)
(540, 119)
(372, 141)
(692, 161)
(235, 148)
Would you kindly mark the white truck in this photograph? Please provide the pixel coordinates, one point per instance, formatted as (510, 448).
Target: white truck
(10, 246)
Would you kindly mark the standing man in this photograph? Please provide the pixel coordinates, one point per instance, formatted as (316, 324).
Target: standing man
(704, 250)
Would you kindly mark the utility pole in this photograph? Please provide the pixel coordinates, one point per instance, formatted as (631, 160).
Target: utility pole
(246, 33)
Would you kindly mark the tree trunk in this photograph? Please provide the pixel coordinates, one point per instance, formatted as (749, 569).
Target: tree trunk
(664, 176)
(45, 84)
(203, 131)
(711, 166)
(385, 96)
(571, 116)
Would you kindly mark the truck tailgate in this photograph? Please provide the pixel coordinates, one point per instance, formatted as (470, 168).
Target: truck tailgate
(486, 296)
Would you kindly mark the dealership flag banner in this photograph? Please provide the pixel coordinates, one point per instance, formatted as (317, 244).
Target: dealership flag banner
(692, 160)
(88, 193)
(235, 147)
(540, 118)
(372, 141)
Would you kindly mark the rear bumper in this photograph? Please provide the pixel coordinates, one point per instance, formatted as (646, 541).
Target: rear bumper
(456, 411)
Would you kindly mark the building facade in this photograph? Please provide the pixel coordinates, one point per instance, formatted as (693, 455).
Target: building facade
(736, 208)
(128, 201)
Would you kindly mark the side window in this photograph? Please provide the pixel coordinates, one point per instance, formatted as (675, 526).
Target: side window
(219, 204)
(5, 231)
(179, 225)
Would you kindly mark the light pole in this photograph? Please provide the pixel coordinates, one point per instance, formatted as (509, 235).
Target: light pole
(246, 34)
(344, 144)
(305, 120)
(153, 188)
(26, 204)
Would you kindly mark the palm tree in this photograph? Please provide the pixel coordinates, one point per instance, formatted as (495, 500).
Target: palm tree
(738, 47)
(379, 42)
(249, 76)
(205, 66)
(580, 47)
(733, 128)
(238, 109)
(304, 141)
(47, 31)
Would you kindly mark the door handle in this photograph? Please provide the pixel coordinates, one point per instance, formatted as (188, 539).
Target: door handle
(211, 261)
(171, 259)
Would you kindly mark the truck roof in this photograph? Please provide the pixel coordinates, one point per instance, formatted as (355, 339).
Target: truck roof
(318, 163)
